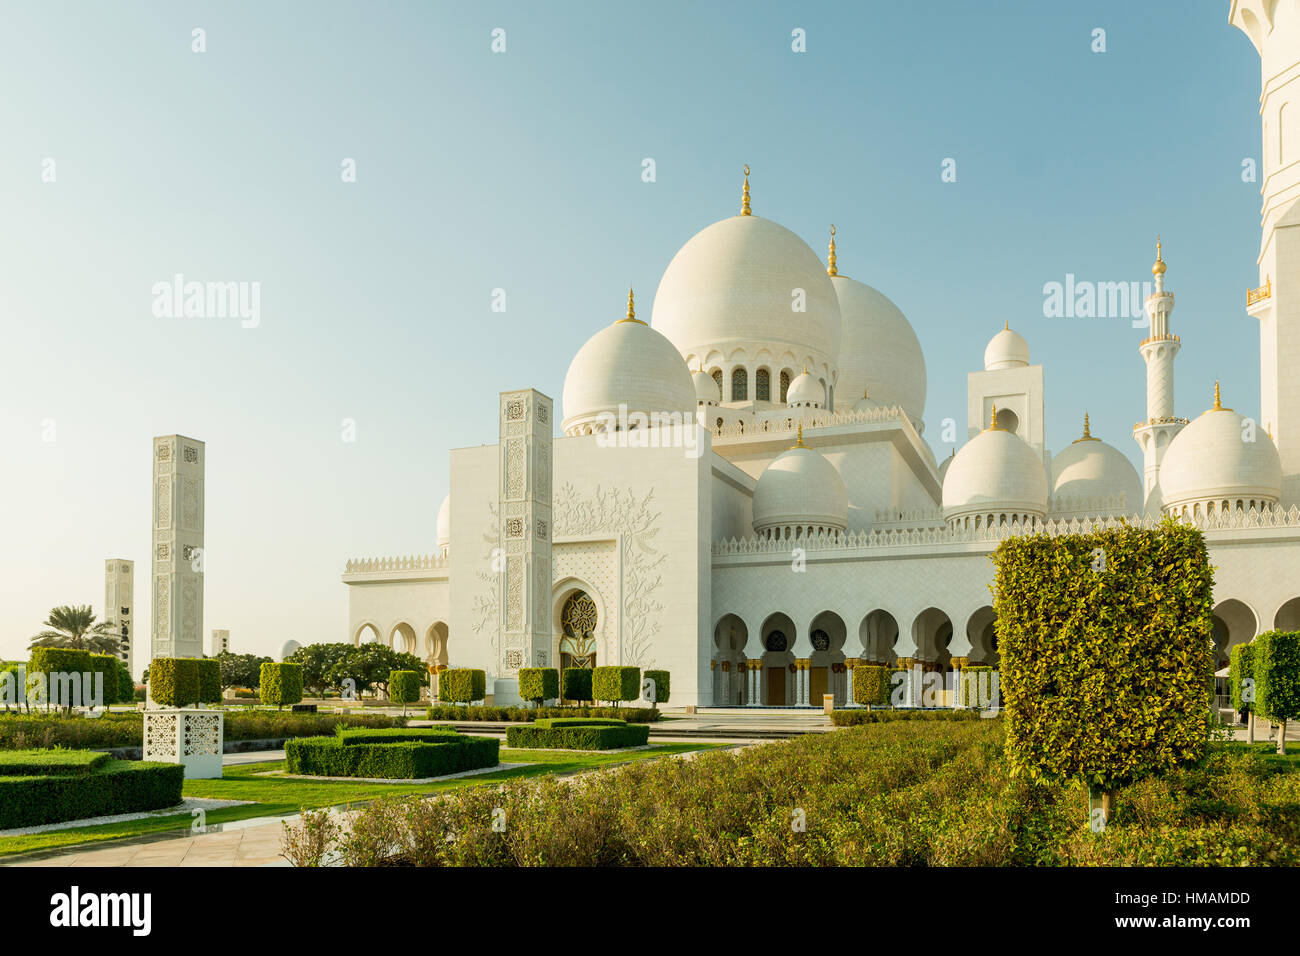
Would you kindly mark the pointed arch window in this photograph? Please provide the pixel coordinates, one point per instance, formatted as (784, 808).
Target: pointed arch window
(763, 385)
(785, 385)
(739, 384)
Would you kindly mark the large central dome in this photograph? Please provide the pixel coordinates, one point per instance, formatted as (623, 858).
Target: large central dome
(731, 294)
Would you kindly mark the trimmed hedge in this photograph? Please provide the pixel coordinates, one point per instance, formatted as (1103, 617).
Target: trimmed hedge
(1277, 679)
(281, 683)
(872, 684)
(106, 664)
(614, 683)
(462, 685)
(434, 756)
(55, 660)
(41, 762)
(174, 681)
(663, 685)
(116, 786)
(577, 683)
(852, 718)
(403, 687)
(523, 715)
(352, 736)
(1106, 652)
(539, 684)
(1241, 669)
(577, 733)
(209, 681)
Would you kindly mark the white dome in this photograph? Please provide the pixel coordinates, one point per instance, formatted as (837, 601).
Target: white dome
(943, 466)
(866, 403)
(706, 389)
(289, 649)
(995, 473)
(805, 390)
(625, 363)
(879, 352)
(730, 289)
(1007, 349)
(800, 489)
(1210, 459)
(1089, 469)
(444, 525)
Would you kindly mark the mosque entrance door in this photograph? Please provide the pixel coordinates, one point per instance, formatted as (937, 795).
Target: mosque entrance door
(578, 637)
(817, 684)
(776, 686)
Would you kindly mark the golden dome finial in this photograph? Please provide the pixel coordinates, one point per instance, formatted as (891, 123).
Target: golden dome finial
(993, 423)
(631, 309)
(830, 258)
(1218, 398)
(744, 196)
(1087, 431)
(1159, 268)
(1006, 325)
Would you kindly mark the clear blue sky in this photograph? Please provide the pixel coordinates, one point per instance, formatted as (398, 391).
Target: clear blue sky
(523, 171)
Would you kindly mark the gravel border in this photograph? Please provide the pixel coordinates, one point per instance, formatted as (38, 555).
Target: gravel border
(188, 805)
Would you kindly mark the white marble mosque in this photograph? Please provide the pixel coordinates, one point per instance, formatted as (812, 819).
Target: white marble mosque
(740, 491)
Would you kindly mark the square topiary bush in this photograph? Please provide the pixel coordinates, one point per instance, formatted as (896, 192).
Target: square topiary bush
(106, 664)
(462, 685)
(1106, 656)
(174, 681)
(209, 681)
(539, 684)
(1277, 679)
(577, 683)
(281, 683)
(662, 687)
(871, 684)
(61, 675)
(577, 733)
(616, 683)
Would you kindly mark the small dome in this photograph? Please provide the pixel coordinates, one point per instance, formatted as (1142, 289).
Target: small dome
(805, 391)
(943, 466)
(879, 351)
(627, 363)
(707, 391)
(1007, 349)
(995, 473)
(1211, 459)
(866, 403)
(800, 492)
(289, 649)
(444, 525)
(730, 286)
(1089, 469)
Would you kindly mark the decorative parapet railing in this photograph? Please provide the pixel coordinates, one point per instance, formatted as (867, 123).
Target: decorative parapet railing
(1160, 338)
(852, 541)
(811, 419)
(1072, 505)
(1163, 420)
(1259, 295)
(900, 519)
(413, 562)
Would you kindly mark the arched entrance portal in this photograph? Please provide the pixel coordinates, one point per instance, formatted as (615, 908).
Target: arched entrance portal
(778, 661)
(578, 631)
(1233, 624)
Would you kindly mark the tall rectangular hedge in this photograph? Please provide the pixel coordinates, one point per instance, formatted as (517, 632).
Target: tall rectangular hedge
(462, 685)
(281, 683)
(1106, 657)
(174, 681)
(50, 663)
(663, 685)
(539, 684)
(1277, 679)
(577, 683)
(209, 681)
(616, 683)
(106, 664)
(871, 684)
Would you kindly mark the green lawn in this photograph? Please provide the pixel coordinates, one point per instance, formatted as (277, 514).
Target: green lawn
(281, 796)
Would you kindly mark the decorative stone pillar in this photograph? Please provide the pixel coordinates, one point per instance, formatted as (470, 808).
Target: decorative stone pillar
(178, 470)
(755, 681)
(958, 664)
(191, 738)
(803, 675)
(525, 509)
(849, 664)
(909, 690)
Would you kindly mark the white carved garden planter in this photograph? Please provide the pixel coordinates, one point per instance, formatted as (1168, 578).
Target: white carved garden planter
(191, 738)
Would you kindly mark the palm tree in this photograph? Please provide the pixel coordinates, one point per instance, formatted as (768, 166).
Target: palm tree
(75, 628)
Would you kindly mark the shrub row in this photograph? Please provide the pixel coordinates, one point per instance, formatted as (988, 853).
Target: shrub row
(41, 762)
(632, 715)
(850, 717)
(352, 736)
(62, 660)
(434, 756)
(117, 786)
(576, 733)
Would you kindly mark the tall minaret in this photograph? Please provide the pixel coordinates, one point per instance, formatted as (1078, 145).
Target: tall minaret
(1158, 350)
(1274, 29)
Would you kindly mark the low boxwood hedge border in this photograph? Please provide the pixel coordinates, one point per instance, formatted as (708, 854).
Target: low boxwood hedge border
(577, 733)
(41, 763)
(353, 736)
(436, 756)
(523, 715)
(851, 717)
(110, 787)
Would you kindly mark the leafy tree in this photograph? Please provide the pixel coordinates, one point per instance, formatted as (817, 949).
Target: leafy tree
(125, 685)
(318, 662)
(241, 670)
(370, 664)
(75, 628)
(1277, 679)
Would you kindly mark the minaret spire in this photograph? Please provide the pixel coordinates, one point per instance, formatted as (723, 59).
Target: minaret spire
(1158, 351)
(830, 256)
(744, 196)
